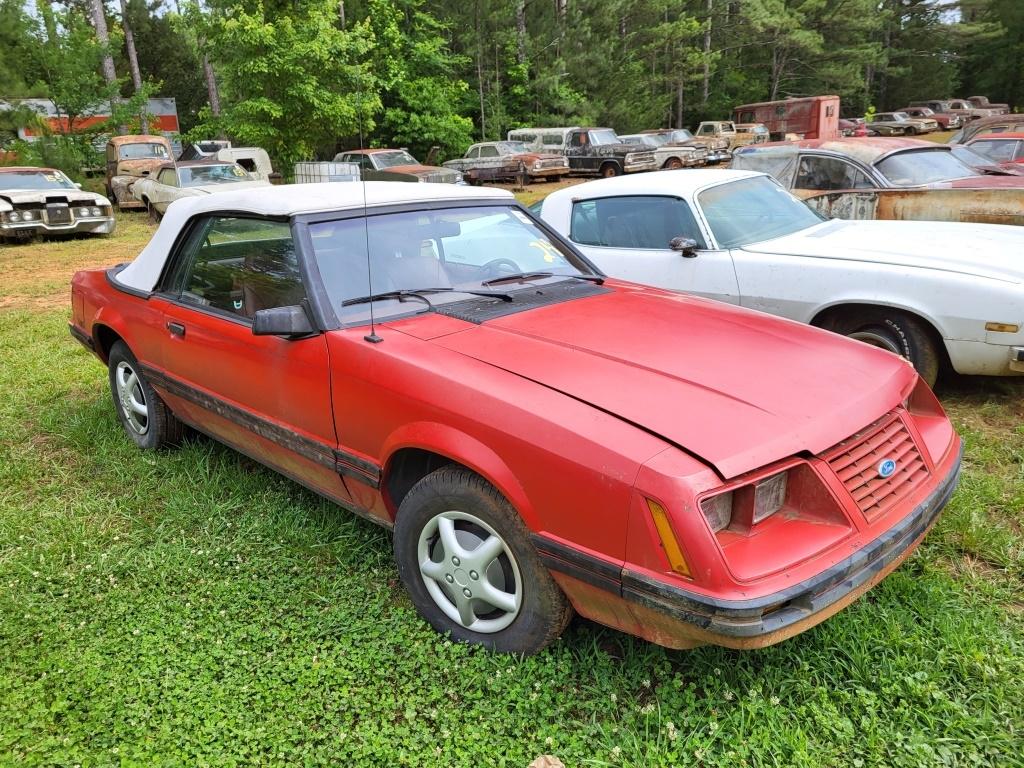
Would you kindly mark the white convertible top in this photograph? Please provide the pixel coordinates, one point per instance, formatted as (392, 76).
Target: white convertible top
(286, 200)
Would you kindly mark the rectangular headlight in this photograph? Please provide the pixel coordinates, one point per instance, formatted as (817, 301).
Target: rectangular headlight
(769, 496)
(718, 511)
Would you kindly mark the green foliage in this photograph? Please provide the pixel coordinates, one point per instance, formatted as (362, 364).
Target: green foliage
(292, 81)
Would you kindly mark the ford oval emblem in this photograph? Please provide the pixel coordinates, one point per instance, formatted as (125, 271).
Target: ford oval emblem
(886, 467)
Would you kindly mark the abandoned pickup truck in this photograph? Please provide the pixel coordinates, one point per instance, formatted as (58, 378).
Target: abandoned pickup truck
(43, 201)
(667, 155)
(508, 161)
(130, 158)
(590, 150)
(874, 178)
(396, 165)
(538, 437)
(982, 102)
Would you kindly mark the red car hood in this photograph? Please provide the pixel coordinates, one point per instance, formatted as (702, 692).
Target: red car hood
(738, 389)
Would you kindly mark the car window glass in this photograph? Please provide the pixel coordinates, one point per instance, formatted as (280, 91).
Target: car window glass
(998, 151)
(827, 173)
(455, 248)
(489, 151)
(645, 222)
(473, 153)
(167, 177)
(240, 266)
(752, 210)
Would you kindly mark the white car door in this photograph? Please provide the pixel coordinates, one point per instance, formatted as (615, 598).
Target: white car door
(164, 190)
(629, 236)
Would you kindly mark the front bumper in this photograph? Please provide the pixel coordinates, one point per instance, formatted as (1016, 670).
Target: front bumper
(97, 225)
(638, 167)
(769, 619)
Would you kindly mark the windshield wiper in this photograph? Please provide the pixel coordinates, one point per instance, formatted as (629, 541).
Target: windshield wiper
(522, 276)
(419, 293)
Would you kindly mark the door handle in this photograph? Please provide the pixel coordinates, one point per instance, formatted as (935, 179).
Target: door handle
(176, 329)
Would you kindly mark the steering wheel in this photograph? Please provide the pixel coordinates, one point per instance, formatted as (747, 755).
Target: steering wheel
(499, 267)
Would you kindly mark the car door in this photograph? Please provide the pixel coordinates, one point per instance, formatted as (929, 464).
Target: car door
(164, 189)
(267, 396)
(579, 153)
(821, 173)
(629, 237)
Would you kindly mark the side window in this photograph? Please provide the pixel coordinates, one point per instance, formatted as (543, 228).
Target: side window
(827, 173)
(644, 222)
(551, 140)
(168, 176)
(578, 139)
(706, 129)
(998, 151)
(239, 266)
(474, 153)
(489, 151)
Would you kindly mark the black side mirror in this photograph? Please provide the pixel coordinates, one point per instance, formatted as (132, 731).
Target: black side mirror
(289, 322)
(686, 246)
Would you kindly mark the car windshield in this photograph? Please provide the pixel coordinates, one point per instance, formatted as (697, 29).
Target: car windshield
(201, 175)
(456, 248)
(391, 159)
(512, 148)
(143, 151)
(647, 139)
(751, 210)
(925, 112)
(923, 166)
(35, 180)
(681, 134)
(603, 136)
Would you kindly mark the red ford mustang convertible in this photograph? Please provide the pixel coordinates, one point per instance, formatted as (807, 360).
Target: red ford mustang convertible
(539, 437)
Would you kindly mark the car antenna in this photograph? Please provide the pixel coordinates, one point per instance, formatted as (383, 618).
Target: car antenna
(372, 336)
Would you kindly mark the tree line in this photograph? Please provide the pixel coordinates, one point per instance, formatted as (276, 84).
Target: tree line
(303, 78)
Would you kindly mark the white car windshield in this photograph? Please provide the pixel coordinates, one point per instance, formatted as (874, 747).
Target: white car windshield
(680, 134)
(647, 139)
(144, 151)
(450, 251)
(35, 180)
(201, 175)
(923, 166)
(391, 159)
(603, 136)
(751, 210)
(512, 148)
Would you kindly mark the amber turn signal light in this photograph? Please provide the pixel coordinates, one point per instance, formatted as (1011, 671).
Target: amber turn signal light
(668, 538)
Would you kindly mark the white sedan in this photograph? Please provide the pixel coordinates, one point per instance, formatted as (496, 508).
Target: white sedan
(936, 293)
(192, 178)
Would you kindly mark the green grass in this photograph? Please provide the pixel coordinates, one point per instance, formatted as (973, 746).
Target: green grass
(192, 608)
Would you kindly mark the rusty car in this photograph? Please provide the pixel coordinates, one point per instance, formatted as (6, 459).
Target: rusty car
(1005, 149)
(994, 124)
(508, 161)
(884, 123)
(974, 110)
(683, 137)
(538, 438)
(43, 201)
(875, 178)
(807, 117)
(191, 178)
(668, 155)
(982, 102)
(945, 107)
(130, 158)
(947, 121)
(396, 165)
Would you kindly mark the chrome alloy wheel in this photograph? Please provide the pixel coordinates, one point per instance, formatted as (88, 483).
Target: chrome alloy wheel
(131, 398)
(877, 340)
(470, 572)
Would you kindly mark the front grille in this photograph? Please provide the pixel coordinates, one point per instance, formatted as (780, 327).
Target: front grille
(856, 462)
(58, 214)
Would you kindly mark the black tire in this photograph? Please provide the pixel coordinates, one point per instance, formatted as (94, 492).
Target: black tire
(911, 131)
(898, 332)
(543, 611)
(673, 164)
(610, 170)
(161, 427)
(154, 215)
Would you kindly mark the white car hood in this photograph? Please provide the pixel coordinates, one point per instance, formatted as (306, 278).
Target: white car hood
(994, 251)
(9, 197)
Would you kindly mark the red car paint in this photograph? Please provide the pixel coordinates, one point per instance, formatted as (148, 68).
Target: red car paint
(579, 412)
